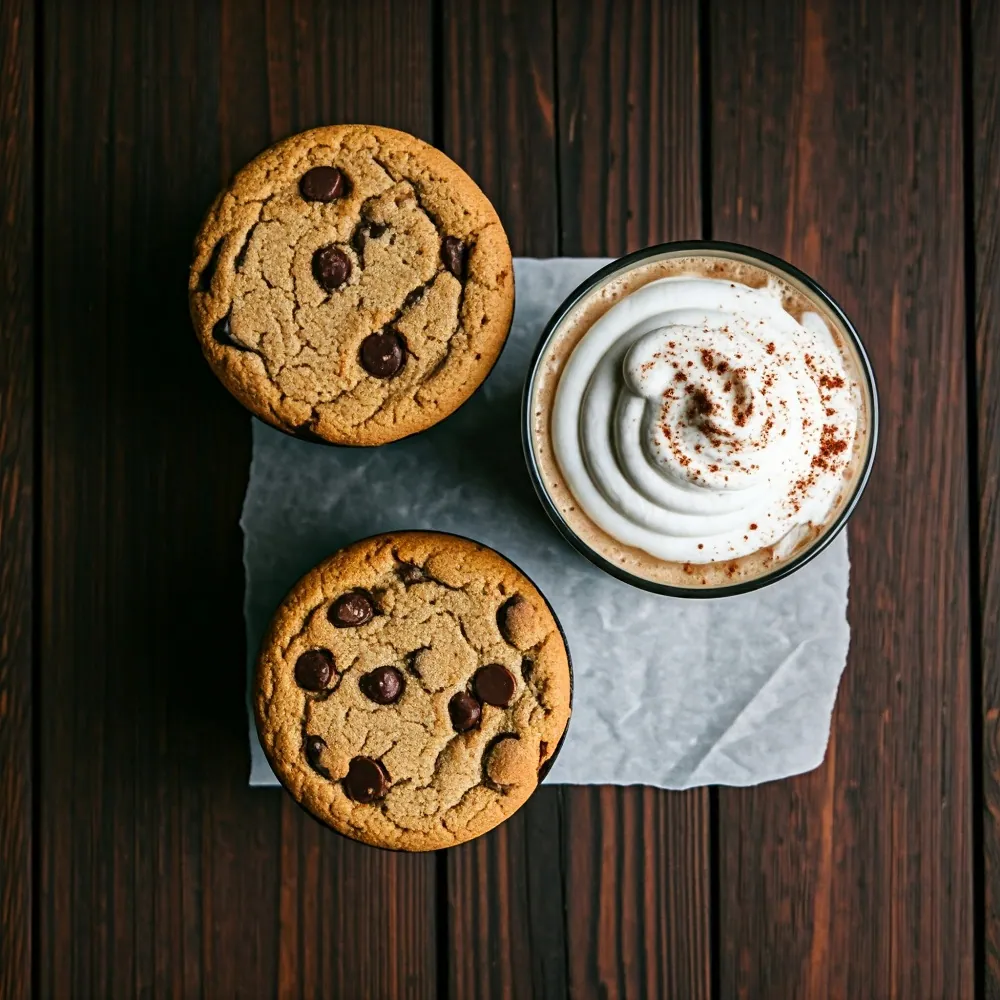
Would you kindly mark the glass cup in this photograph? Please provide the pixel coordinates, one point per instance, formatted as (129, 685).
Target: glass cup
(801, 298)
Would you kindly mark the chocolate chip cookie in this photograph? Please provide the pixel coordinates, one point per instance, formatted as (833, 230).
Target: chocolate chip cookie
(352, 284)
(411, 690)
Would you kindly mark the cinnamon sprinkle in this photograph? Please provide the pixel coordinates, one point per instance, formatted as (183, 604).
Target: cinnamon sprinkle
(829, 447)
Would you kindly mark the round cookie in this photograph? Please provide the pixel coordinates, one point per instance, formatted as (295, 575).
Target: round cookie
(352, 284)
(410, 690)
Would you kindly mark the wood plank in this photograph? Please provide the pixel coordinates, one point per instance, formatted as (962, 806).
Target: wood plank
(17, 401)
(637, 859)
(984, 145)
(161, 872)
(837, 144)
(545, 906)
(506, 927)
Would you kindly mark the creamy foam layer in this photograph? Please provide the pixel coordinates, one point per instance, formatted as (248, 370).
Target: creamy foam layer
(703, 428)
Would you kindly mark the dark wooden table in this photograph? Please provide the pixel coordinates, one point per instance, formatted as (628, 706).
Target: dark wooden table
(857, 138)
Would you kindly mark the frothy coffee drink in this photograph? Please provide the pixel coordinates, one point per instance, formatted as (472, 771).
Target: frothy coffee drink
(700, 420)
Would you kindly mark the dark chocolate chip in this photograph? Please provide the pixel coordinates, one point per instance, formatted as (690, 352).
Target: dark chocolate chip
(313, 669)
(369, 231)
(331, 267)
(383, 685)
(353, 608)
(306, 433)
(383, 354)
(367, 780)
(411, 660)
(465, 712)
(413, 297)
(223, 331)
(206, 276)
(410, 574)
(315, 745)
(242, 255)
(323, 184)
(494, 684)
(454, 254)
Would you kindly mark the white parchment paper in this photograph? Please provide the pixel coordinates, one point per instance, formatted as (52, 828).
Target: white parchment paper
(668, 692)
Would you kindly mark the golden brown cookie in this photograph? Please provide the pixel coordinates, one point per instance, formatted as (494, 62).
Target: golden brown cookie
(410, 690)
(352, 284)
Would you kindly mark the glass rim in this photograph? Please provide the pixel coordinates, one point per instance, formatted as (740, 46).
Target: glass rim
(625, 263)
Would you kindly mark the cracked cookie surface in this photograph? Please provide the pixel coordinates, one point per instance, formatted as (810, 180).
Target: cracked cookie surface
(410, 690)
(352, 284)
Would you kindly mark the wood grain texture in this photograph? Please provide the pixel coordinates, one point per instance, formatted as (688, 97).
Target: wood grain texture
(498, 114)
(984, 145)
(837, 139)
(630, 143)
(162, 873)
(17, 400)
(506, 925)
(638, 905)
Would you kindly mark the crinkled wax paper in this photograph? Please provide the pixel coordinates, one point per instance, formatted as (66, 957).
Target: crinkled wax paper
(672, 693)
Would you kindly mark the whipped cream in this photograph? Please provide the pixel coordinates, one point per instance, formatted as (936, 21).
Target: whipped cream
(699, 421)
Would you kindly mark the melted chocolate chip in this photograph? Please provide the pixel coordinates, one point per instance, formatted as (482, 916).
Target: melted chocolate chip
(353, 608)
(306, 433)
(411, 660)
(313, 669)
(383, 354)
(367, 780)
(331, 267)
(465, 712)
(315, 745)
(242, 255)
(410, 574)
(206, 276)
(369, 231)
(454, 255)
(383, 685)
(223, 331)
(323, 184)
(494, 684)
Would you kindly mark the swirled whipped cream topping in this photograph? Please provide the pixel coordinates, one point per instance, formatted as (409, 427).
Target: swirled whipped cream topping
(699, 421)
